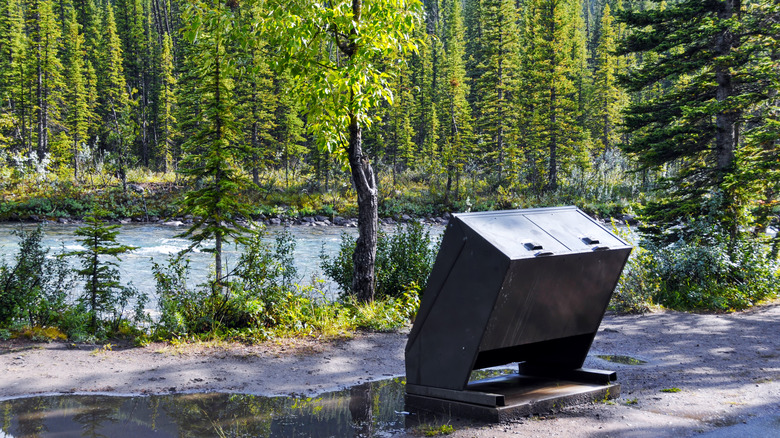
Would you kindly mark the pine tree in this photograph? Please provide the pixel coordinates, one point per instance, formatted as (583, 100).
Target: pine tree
(704, 50)
(43, 50)
(102, 289)
(759, 175)
(166, 107)
(93, 117)
(455, 112)
(131, 21)
(401, 132)
(91, 17)
(608, 98)
(76, 96)
(289, 130)
(115, 102)
(11, 56)
(552, 66)
(213, 149)
(257, 101)
(425, 114)
(496, 84)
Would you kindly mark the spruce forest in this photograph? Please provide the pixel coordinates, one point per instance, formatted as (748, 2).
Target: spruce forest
(533, 101)
(668, 110)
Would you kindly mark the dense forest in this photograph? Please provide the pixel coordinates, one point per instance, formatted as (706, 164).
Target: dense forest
(667, 109)
(522, 99)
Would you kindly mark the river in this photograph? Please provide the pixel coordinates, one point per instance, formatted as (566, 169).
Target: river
(157, 242)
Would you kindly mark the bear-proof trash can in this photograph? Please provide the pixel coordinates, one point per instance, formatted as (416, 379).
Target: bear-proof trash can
(528, 286)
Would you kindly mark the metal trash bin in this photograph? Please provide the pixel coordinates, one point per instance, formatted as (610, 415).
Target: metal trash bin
(525, 286)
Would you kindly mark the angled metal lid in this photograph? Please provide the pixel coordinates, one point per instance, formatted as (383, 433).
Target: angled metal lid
(542, 232)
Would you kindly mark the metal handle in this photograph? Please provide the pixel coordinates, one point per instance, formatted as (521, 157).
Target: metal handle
(532, 246)
(600, 248)
(543, 253)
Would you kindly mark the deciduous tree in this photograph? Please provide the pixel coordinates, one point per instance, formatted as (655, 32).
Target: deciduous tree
(333, 51)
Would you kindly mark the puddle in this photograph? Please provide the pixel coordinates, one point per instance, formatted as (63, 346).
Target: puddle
(625, 360)
(368, 410)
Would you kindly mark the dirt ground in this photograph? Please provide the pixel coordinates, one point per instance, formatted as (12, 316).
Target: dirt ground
(726, 367)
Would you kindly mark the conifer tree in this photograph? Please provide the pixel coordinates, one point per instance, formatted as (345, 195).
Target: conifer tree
(102, 290)
(608, 98)
(91, 17)
(552, 65)
(130, 21)
(115, 101)
(166, 107)
(759, 175)
(455, 113)
(11, 78)
(45, 66)
(255, 90)
(76, 96)
(401, 134)
(93, 117)
(704, 50)
(213, 149)
(288, 133)
(495, 87)
(425, 115)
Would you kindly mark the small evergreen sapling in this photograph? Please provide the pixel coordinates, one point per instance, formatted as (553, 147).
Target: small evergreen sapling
(103, 293)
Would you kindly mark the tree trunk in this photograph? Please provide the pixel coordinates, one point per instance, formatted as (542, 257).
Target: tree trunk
(40, 93)
(218, 263)
(368, 214)
(75, 160)
(725, 137)
(726, 134)
(553, 182)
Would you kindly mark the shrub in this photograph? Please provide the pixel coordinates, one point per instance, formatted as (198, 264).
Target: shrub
(33, 288)
(403, 258)
(262, 300)
(706, 272)
(181, 308)
(703, 275)
(255, 295)
(638, 283)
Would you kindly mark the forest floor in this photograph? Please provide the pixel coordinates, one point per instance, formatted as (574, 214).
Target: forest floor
(726, 367)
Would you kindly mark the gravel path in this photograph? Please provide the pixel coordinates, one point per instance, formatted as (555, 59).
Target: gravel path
(726, 367)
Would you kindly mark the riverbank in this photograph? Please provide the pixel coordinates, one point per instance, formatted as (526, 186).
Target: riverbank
(157, 202)
(725, 366)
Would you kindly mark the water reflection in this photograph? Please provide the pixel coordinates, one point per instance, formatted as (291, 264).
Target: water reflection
(487, 373)
(368, 410)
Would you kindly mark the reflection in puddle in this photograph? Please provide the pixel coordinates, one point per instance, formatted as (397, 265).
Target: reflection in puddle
(368, 410)
(490, 372)
(625, 360)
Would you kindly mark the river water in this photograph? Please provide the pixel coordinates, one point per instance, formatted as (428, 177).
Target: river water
(157, 242)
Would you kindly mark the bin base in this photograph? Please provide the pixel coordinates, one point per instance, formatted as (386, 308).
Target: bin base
(508, 397)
